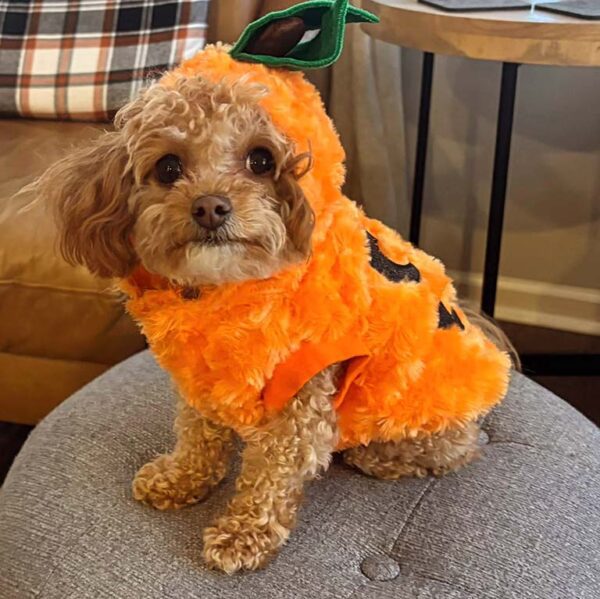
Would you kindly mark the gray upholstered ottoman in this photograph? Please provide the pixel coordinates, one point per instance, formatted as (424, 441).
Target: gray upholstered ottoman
(523, 522)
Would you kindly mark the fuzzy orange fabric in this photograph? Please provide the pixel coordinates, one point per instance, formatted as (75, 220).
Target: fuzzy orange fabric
(240, 351)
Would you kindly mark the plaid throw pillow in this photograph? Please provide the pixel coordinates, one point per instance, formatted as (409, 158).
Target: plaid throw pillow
(83, 60)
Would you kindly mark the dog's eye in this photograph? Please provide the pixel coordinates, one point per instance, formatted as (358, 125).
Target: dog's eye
(260, 161)
(168, 169)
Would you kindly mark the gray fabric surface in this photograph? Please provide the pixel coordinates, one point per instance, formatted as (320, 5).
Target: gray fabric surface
(522, 522)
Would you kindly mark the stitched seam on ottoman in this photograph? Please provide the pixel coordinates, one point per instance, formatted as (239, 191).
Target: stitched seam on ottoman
(70, 549)
(418, 501)
(416, 578)
(521, 443)
(413, 511)
(408, 520)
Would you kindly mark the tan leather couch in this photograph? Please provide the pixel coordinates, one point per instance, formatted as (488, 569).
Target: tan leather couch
(59, 326)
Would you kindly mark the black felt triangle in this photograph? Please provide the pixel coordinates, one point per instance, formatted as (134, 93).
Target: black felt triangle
(388, 268)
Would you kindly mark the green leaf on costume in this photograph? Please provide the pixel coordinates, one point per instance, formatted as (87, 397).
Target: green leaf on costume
(276, 39)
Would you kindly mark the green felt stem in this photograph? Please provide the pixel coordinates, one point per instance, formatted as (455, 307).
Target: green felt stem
(328, 16)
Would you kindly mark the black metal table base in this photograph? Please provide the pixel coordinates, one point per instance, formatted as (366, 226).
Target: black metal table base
(548, 363)
(421, 153)
(506, 111)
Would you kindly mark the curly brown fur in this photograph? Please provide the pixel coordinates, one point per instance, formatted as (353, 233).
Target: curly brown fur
(277, 461)
(114, 212)
(418, 456)
(197, 464)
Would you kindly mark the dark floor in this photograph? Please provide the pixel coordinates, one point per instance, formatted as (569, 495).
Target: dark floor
(12, 436)
(583, 392)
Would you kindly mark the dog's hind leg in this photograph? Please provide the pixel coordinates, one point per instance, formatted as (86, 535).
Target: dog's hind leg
(423, 454)
(198, 463)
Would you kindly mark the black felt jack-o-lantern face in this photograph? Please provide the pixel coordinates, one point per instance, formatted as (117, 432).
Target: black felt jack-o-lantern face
(448, 319)
(398, 273)
(388, 268)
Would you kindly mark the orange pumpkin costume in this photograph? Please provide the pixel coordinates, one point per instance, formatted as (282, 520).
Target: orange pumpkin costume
(240, 351)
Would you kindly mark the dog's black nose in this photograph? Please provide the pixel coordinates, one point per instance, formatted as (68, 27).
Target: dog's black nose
(211, 212)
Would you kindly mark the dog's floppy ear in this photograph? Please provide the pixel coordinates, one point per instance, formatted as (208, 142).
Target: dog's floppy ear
(88, 192)
(296, 212)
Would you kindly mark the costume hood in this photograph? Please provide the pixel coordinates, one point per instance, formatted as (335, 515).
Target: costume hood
(295, 108)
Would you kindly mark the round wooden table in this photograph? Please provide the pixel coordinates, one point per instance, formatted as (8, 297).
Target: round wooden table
(517, 35)
(513, 37)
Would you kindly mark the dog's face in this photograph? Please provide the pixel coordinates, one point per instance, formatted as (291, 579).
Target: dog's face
(196, 184)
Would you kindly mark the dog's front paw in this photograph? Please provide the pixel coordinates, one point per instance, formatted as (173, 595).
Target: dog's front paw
(235, 543)
(166, 484)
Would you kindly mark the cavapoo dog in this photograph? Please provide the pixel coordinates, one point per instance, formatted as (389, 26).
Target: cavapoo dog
(283, 313)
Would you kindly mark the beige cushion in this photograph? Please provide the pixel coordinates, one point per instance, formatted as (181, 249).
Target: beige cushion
(48, 309)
